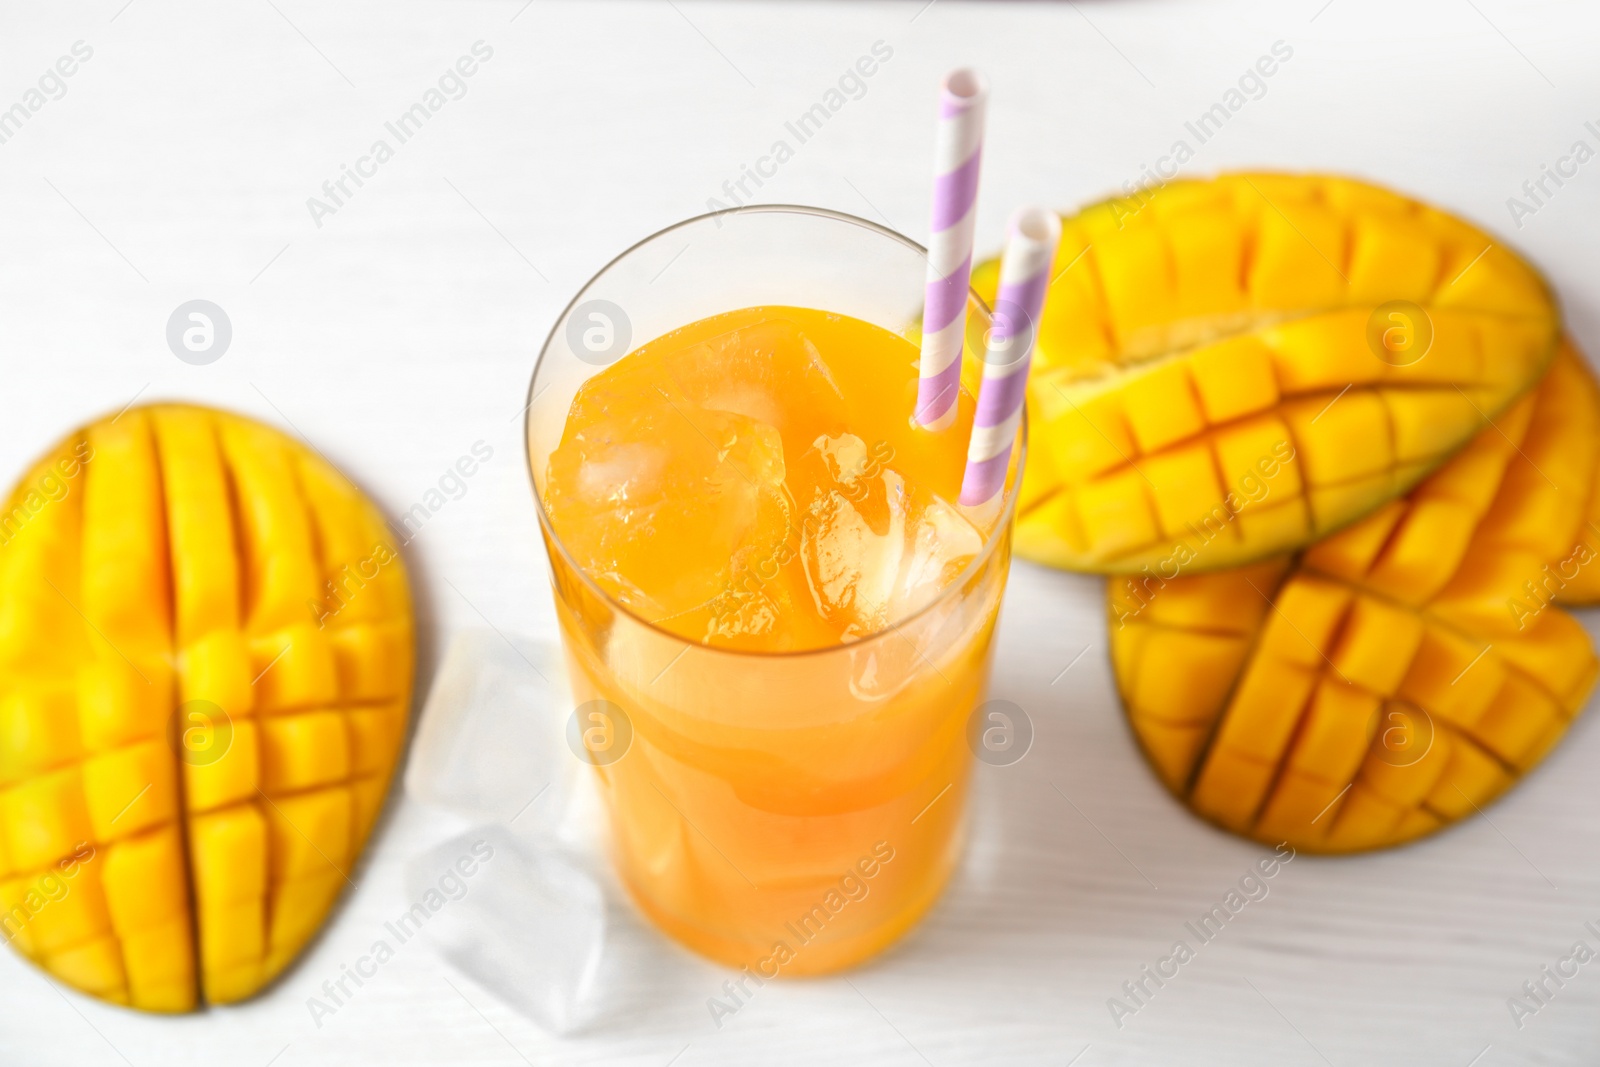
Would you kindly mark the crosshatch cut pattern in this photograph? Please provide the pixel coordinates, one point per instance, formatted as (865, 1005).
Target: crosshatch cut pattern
(205, 678)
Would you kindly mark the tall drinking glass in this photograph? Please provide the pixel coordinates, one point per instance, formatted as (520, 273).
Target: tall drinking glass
(789, 812)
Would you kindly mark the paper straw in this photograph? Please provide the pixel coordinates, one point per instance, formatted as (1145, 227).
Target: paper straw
(962, 98)
(1024, 276)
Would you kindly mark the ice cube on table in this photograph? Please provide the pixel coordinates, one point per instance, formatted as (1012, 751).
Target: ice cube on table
(490, 744)
(523, 922)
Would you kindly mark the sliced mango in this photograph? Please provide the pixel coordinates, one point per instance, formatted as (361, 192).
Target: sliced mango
(205, 675)
(1227, 370)
(1396, 676)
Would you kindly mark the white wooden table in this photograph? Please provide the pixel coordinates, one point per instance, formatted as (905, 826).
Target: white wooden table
(402, 329)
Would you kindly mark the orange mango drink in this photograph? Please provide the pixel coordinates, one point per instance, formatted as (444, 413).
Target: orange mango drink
(778, 624)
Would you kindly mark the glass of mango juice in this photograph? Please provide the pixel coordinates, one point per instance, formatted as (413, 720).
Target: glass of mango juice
(776, 617)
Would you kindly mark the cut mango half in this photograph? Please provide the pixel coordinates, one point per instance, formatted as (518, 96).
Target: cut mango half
(1397, 676)
(205, 678)
(1195, 339)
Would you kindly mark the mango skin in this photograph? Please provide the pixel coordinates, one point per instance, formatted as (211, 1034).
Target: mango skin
(1181, 403)
(1397, 676)
(205, 678)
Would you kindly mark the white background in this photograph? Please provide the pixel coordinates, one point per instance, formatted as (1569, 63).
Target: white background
(404, 329)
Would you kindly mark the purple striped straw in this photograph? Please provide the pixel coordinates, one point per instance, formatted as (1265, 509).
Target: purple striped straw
(1024, 276)
(962, 98)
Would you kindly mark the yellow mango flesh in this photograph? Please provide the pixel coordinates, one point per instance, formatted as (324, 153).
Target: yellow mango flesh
(1398, 675)
(205, 678)
(1205, 392)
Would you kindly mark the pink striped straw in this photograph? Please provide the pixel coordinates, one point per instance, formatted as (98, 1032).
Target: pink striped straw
(962, 98)
(1024, 276)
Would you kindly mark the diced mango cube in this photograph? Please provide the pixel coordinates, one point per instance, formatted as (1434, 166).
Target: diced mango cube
(303, 750)
(1234, 378)
(295, 669)
(130, 789)
(1162, 407)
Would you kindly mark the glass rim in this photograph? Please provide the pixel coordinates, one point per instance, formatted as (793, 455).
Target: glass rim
(978, 562)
